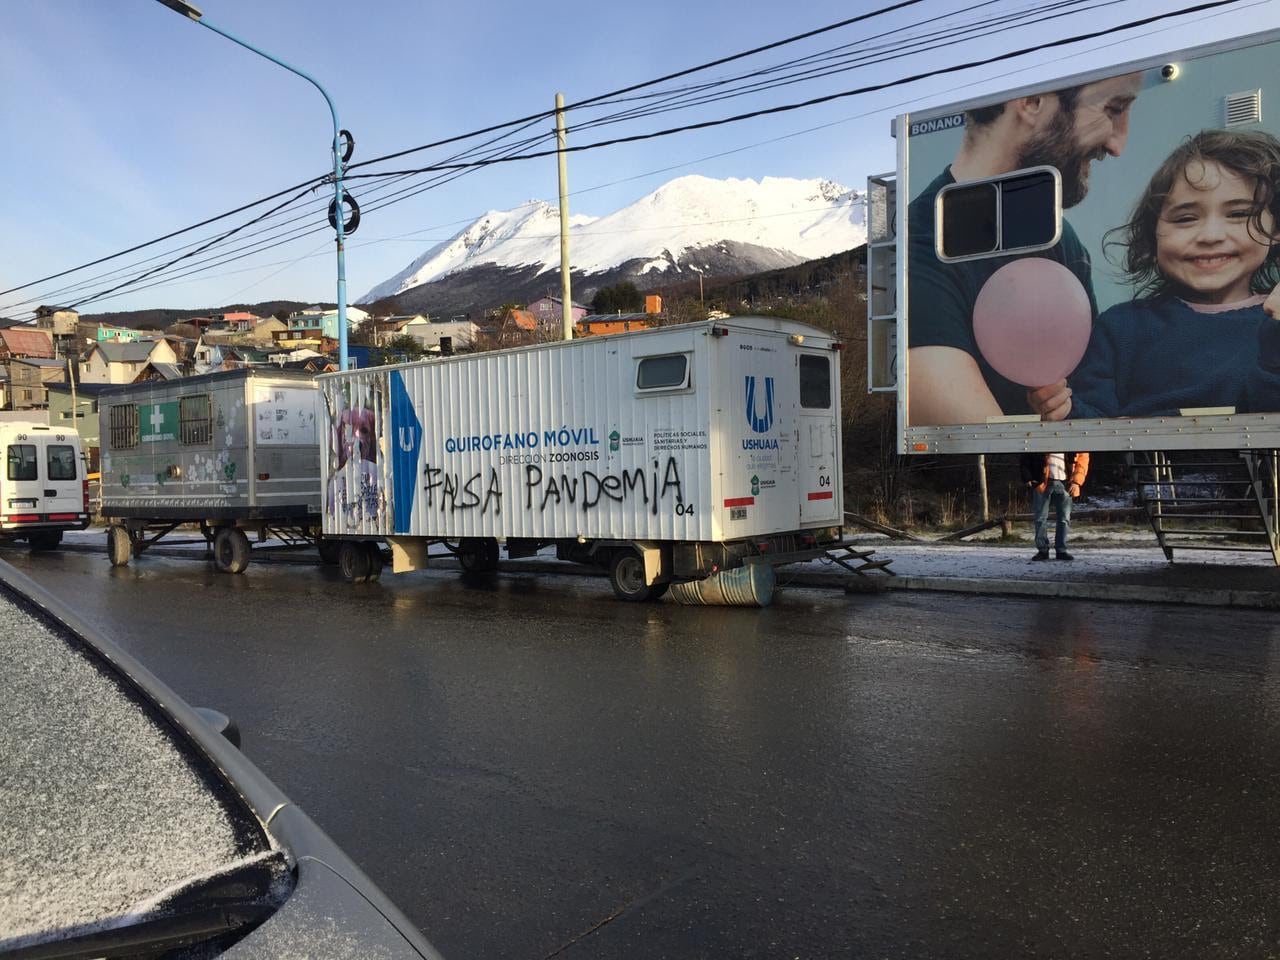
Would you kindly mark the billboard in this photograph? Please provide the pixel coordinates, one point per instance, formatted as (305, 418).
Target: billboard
(1093, 265)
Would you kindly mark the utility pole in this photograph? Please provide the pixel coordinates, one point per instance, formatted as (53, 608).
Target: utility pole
(566, 297)
(982, 487)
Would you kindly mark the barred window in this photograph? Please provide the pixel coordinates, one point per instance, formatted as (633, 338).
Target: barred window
(122, 424)
(194, 422)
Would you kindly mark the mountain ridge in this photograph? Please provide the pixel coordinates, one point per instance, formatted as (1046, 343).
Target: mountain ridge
(689, 226)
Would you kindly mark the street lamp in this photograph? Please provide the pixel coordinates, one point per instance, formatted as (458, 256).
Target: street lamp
(341, 155)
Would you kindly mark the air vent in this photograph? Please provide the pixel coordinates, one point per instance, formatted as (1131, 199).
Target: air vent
(1242, 108)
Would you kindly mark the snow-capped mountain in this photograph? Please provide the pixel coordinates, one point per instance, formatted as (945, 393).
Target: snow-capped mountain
(688, 226)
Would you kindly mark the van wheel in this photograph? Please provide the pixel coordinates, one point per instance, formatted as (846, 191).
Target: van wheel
(231, 550)
(626, 575)
(329, 550)
(375, 561)
(119, 545)
(45, 540)
(353, 561)
(478, 554)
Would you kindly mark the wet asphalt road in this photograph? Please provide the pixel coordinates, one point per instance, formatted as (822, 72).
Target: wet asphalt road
(531, 769)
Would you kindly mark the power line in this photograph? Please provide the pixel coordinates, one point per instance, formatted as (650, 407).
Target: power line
(814, 101)
(490, 129)
(505, 155)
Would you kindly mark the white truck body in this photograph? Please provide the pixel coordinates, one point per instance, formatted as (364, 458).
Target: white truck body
(43, 487)
(702, 433)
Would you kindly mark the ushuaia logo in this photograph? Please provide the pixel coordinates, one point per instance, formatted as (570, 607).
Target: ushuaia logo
(760, 424)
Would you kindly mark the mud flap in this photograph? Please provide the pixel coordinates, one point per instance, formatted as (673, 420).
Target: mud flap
(657, 563)
(408, 554)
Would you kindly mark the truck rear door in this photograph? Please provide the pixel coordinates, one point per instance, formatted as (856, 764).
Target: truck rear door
(61, 486)
(818, 466)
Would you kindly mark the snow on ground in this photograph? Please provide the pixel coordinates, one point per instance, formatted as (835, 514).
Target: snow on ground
(1114, 551)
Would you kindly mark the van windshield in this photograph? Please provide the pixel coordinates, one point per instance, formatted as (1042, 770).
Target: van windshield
(62, 462)
(22, 461)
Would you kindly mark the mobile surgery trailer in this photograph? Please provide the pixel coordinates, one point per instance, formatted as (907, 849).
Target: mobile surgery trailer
(236, 452)
(661, 455)
(1091, 263)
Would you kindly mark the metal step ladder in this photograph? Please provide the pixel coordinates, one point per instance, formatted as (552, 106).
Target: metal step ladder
(1211, 500)
(859, 561)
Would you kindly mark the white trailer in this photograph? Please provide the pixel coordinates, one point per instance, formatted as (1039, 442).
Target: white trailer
(662, 455)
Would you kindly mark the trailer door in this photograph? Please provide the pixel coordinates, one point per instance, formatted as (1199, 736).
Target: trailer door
(817, 468)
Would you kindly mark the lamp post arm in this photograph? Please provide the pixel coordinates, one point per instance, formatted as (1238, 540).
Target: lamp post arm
(337, 177)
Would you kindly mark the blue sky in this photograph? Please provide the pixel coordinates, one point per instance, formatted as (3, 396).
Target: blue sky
(124, 121)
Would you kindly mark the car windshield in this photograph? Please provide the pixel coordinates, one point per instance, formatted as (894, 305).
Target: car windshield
(111, 825)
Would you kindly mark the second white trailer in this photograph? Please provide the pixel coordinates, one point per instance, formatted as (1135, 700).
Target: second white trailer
(662, 455)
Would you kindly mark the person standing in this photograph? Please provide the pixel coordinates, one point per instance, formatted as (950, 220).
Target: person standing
(1055, 480)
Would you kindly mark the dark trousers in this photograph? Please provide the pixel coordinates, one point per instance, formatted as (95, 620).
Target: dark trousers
(1055, 496)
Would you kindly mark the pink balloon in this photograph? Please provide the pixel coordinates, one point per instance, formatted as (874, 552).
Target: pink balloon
(1032, 321)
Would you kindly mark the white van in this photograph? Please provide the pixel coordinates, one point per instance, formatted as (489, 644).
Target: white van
(44, 488)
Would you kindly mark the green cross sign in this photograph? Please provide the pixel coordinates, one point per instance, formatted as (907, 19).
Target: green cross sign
(158, 421)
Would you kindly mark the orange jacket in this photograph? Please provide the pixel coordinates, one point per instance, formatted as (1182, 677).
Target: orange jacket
(1077, 470)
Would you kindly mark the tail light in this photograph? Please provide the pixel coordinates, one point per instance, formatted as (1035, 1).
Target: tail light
(84, 490)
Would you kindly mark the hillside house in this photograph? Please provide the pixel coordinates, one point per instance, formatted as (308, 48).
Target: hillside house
(28, 378)
(57, 321)
(386, 328)
(110, 362)
(600, 324)
(159, 371)
(549, 313)
(121, 334)
(86, 413)
(25, 342)
(239, 321)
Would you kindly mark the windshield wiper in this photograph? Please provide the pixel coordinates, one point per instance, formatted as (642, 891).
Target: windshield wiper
(201, 910)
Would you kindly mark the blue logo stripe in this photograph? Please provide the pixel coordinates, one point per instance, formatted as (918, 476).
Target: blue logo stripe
(760, 424)
(406, 440)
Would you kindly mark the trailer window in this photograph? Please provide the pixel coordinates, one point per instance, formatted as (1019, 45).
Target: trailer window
(22, 461)
(1015, 213)
(62, 461)
(122, 424)
(194, 423)
(663, 373)
(815, 382)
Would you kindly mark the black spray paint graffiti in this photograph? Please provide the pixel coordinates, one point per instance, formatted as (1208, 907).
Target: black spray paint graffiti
(456, 494)
(590, 488)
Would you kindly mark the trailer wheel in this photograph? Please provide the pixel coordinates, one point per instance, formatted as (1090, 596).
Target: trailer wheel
(353, 561)
(45, 540)
(375, 561)
(231, 550)
(329, 550)
(478, 554)
(119, 545)
(626, 575)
